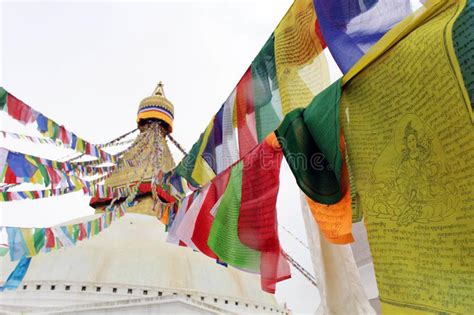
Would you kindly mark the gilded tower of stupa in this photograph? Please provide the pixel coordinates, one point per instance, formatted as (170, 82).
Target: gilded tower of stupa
(148, 158)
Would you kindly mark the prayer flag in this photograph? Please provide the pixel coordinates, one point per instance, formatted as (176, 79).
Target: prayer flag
(205, 217)
(3, 98)
(16, 243)
(302, 69)
(246, 114)
(335, 221)
(307, 162)
(351, 27)
(223, 238)
(410, 143)
(17, 275)
(227, 152)
(266, 95)
(257, 222)
(185, 228)
(202, 172)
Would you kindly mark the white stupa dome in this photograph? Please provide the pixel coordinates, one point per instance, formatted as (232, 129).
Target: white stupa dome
(130, 268)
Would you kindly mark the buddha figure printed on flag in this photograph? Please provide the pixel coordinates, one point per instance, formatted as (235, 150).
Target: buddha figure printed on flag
(411, 177)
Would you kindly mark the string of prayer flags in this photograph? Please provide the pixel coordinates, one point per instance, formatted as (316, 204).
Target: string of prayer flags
(23, 113)
(24, 166)
(28, 242)
(38, 194)
(287, 73)
(41, 140)
(257, 221)
(351, 27)
(19, 168)
(410, 144)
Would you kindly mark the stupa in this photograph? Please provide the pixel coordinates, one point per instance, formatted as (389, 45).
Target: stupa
(129, 267)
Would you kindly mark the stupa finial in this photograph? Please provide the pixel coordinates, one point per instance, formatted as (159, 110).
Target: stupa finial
(159, 90)
(157, 106)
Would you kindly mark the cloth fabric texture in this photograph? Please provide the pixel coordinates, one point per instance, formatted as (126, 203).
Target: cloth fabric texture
(205, 217)
(336, 273)
(223, 238)
(351, 27)
(335, 221)
(257, 223)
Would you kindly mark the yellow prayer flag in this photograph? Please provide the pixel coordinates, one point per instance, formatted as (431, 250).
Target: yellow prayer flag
(202, 172)
(27, 234)
(302, 69)
(410, 140)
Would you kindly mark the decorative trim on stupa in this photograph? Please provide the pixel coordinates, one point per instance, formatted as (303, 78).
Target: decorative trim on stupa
(157, 106)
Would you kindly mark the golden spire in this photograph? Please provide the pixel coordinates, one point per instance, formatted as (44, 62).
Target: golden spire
(159, 90)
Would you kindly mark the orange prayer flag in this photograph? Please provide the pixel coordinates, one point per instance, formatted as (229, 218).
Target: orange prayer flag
(335, 221)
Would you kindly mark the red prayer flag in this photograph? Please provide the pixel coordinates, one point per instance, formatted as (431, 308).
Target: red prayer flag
(203, 224)
(319, 33)
(50, 239)
(19, 110)
(82, 232)
(258, 225)
(10, 177)
(54, 177)
(88, 148)
(63, 135)
(246, 114)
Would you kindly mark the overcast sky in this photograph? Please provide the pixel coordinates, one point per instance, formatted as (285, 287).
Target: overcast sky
(88, 65)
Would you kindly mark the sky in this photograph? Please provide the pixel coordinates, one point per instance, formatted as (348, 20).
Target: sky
(88, 64)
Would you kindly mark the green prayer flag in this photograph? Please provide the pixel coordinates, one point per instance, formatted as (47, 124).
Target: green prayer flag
(266, 94)
(321, 118)
(463, 40)
(186, 166)
(39, 239)
(95, 227)
(312, 171)
(3, 98)
(223, 238)
(76, 231)
(54, 132)
(44, 173)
